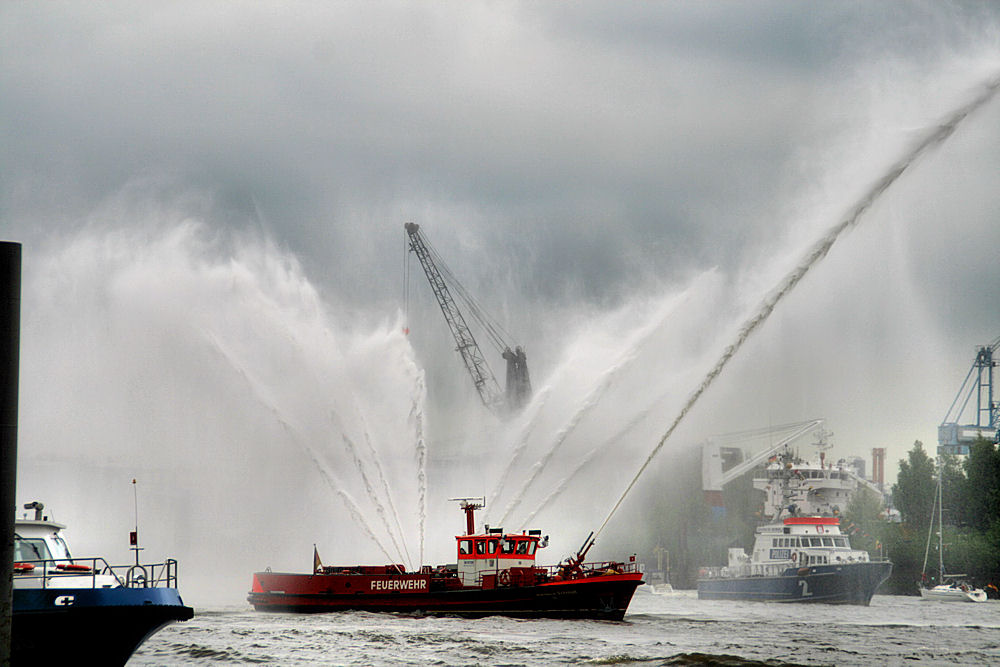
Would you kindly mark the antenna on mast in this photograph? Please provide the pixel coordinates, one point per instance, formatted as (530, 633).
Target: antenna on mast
(469, 506)
(133, 537)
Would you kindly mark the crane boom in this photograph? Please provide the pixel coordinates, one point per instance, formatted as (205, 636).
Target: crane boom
(482, 377)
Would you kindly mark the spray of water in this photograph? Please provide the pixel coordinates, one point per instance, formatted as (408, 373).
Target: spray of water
(585, 462)
(377, 463)
(633, 345)
(416, 417)
(934, 137)
(208, 367)
(534, 412)
(259, 392)
(359, 465)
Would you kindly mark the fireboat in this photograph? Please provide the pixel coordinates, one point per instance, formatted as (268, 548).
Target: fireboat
(494, 574)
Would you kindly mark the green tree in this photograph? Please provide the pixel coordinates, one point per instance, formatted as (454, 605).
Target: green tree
(864, 521)
(915, 488)
(953, 490)
(982, 485)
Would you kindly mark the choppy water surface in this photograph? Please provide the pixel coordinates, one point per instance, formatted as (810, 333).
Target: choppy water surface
(659, 629)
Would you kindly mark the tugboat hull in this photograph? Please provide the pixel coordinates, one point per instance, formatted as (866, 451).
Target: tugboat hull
(853, 583)
(603, 597)
(52, 624)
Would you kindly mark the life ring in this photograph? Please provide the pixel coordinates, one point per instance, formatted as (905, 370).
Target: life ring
(795, 556)
(73, 567)
(504, 577)
(20, 568)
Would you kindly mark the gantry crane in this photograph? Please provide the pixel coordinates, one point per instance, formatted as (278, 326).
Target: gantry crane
(955, 438)
(518, 383)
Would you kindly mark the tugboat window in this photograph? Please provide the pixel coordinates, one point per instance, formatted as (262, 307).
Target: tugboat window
(465, 547)
(522, 547)
(507, 547)
(481, 547)
(493, 546)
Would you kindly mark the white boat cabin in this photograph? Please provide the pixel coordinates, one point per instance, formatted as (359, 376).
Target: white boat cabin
(493, 555)
(42, 558)
(798, 541)
(494, 552)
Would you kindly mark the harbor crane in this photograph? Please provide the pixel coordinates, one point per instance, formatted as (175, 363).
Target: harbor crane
(518, 383)
(955, 437)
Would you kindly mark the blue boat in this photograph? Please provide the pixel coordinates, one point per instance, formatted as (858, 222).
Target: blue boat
(801, 554)
(68, 610)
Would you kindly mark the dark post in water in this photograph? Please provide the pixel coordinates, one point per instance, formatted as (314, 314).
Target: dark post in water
(10, 338)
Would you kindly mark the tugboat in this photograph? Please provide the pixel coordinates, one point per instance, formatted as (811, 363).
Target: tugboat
(801, 556)
(495, 574)
(69, 609)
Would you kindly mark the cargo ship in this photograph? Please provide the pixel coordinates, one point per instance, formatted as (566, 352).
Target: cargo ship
(801, 554)
(495, 573)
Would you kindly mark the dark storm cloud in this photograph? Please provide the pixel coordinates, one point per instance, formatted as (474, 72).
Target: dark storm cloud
(561, 156)
(325, 115)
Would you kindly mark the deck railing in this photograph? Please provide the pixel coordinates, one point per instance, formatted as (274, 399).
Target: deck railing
(53, 573)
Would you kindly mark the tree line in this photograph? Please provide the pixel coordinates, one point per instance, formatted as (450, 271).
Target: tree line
(970, 491)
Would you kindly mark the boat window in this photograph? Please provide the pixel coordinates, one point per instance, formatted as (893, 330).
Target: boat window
(522, 546)
(827, 541)
(60, 548)
(507, 547)
(840, 541)
(481, 547)
(465, 547)
(493, 546)
(815, 541)
(30, 549)
(531, 547)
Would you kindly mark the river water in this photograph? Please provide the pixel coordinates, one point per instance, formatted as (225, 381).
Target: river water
(675, 628)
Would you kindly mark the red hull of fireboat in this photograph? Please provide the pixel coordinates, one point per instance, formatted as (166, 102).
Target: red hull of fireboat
(536, 593)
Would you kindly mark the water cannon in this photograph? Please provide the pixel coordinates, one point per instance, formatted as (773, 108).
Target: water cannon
(577, 561)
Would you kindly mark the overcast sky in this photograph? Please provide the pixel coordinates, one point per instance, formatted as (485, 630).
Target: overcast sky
(603, 176)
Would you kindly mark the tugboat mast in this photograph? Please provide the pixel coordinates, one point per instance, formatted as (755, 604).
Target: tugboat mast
(469, 506)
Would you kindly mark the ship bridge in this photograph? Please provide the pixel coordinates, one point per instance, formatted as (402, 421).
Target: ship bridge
(493, 553)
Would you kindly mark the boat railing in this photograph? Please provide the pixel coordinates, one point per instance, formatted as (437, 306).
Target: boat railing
(590, 569)
(52, 573)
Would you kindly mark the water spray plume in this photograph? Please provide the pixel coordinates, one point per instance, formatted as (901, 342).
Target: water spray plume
(934, 137)
(420, 447)
(524, 435)
(593, 399)
(328, 477)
